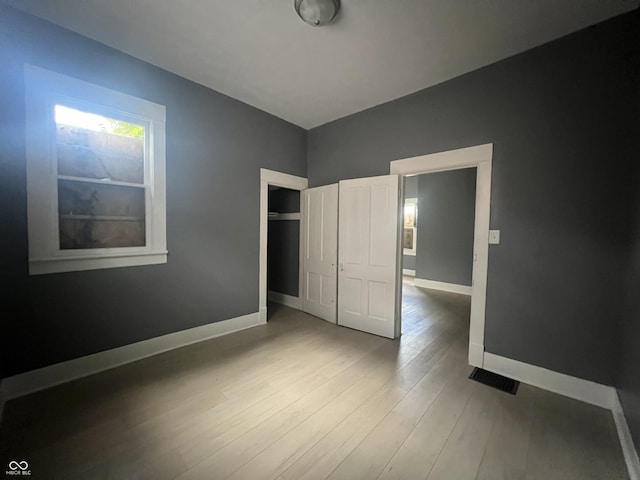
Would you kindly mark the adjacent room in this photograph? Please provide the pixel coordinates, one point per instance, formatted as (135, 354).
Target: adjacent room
(320, 239)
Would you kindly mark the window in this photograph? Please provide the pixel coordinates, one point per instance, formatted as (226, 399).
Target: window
(95, 176)
(410, 223)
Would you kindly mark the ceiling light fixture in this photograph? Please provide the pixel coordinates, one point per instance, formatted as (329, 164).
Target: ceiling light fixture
(317, 12)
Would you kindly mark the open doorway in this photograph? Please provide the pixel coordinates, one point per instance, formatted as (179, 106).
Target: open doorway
(438, 229)
(283, 247)
(284, 190)
(478, 158)
(437, 243)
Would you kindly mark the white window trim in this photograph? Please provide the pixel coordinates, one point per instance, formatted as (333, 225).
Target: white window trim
(411, 251)
(43, 90)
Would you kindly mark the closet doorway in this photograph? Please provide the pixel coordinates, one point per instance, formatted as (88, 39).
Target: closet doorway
(285, 193)
(283, 247)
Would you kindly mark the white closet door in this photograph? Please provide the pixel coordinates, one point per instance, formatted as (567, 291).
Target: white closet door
(368, 245)
(320, 252)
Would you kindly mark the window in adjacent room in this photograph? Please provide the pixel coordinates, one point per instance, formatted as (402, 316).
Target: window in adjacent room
(410, 226)
(95, 176)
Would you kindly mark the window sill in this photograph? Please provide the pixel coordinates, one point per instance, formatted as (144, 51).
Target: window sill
(41, 266)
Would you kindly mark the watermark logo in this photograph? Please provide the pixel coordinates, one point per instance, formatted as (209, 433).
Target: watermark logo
(18, 468)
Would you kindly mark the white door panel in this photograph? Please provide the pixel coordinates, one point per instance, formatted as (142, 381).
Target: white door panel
(320, 251)
(368, 254)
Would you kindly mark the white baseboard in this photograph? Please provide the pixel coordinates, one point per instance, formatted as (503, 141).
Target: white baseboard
(572, 387)
(443, 286)
(283, 299)
(406, 271)
(34, 380)
(626, 441)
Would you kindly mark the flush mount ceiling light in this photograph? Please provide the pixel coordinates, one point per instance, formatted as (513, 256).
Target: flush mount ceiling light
(317, 12)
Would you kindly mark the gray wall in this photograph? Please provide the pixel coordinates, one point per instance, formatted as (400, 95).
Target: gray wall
(446, 209)
(559, 119)
(629, 382)
(213, 186)
(409, 262)
(411, 187)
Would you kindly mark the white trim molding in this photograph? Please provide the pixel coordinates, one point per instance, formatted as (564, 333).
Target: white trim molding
(626, 441)
(284, 299)
(443, 286)
(70, 264)
(35, 380)
(443, 161)
(476, 354)
(572, 387)
(406, 271)
(284, 180)
(480, 157)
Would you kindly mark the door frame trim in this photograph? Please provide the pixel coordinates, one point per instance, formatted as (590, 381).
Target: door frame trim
(480, 157)
(284, 180)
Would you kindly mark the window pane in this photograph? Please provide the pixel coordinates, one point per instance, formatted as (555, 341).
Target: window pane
(93, 146)
(100, 216)
(409, 215)
(82, 234)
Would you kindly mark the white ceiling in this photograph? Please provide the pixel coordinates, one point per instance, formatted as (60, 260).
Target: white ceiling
(260, 52)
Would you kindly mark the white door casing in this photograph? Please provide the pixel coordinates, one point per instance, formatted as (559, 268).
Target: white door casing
(320, 252)
(481, 157)
(285, 180)
(368, 254)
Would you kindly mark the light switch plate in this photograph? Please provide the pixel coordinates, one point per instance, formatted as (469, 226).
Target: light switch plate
(494, 237)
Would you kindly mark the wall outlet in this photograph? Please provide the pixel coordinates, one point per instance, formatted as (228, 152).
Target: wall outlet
(494, 237)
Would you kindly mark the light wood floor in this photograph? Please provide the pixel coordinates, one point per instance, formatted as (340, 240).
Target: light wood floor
(302, 399)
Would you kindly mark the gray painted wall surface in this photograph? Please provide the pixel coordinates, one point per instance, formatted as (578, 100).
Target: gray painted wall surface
(446, 209)
(629, 382)
(558, 117)
(411, 187)
(215, 148)
(409, 262)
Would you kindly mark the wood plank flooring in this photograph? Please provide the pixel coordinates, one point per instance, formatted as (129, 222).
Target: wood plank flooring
(302, 399)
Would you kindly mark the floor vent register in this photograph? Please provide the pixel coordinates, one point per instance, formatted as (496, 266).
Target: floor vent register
(494, 380)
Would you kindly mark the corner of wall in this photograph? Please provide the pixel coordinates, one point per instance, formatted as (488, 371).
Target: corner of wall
(629, 449)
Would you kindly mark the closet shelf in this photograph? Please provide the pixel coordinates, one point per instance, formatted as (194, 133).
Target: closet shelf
(108, 218)
(284, 216)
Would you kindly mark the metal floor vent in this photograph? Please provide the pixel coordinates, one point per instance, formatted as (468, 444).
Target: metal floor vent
(494, 380)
